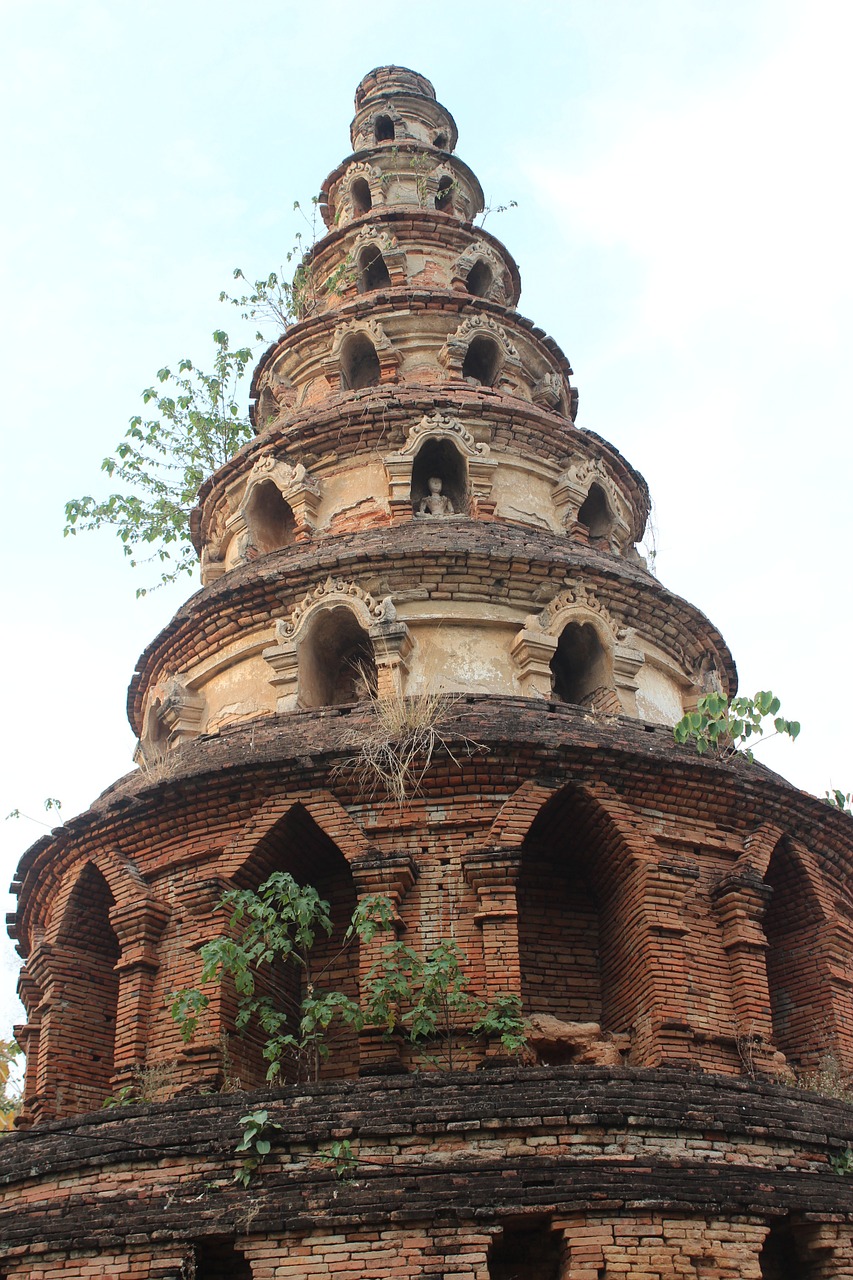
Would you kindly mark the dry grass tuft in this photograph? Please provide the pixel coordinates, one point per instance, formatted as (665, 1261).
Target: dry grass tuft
(397, 745)
(830, 1079)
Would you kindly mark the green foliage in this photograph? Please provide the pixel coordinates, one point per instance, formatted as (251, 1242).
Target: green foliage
(839, 800)
(428, 999)
(496, 208)
(723, 727)
(10, 1099)
(341, 1158)
(842, 1162)
(424, 999)
(198, 424)
(51, 805)
(125, 1097)
(255, 1141)
(270, 929)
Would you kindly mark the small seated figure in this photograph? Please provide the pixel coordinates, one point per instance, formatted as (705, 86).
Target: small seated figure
(435, 503)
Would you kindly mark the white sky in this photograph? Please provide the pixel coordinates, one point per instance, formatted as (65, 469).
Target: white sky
(684, 231)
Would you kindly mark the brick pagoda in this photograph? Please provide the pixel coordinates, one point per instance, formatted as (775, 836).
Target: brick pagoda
(419, 514)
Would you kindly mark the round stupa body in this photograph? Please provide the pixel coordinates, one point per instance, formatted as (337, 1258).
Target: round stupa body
(421, 548)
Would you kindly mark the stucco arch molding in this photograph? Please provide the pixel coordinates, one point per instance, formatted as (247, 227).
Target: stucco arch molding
(441, 426)
(392, 642)
(572, 490)
(535, 645)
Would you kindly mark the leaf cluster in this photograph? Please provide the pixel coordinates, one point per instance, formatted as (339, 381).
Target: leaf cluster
(839, 800)
(723, 727)
(422, 998)
(196, 425)
(428, 998)
(269, 929)
(255, 1140)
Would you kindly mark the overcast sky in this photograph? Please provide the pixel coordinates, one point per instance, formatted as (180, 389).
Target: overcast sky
(684, 228)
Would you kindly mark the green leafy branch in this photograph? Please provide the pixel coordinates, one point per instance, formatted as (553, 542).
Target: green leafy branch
(51, 805)
(723, 727)
(197, 425)
(428, 999)
(271, 928)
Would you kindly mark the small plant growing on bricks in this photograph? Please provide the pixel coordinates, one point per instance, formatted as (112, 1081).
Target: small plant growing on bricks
(424, 999)
(255, 1142)
(837, 799)
(428, 999)
(723, 727)
(276, 926)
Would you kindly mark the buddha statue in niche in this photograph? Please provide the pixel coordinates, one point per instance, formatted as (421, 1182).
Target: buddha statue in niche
(435, 503)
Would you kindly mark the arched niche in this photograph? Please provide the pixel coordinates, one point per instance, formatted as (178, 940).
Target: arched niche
(526, 1253)
(359, 363)
(482, 361)
(155, 733)
(372, 270)
(268, 408)
(218, 1259)
(595, 513)
(298, 845)
(360, 197)
(440, 458)
(800, 993)
(779, 1258)
(577, 951)
(439, 445)
(270, 518)
(581, 664)
(336, 660)
(480, 279)
(383, 129)
(81, 1038)
(444, 195)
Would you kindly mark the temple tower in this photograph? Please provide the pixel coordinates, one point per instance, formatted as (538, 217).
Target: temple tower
(421, 522)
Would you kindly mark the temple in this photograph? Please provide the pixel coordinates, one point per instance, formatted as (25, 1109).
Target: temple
(422, 522)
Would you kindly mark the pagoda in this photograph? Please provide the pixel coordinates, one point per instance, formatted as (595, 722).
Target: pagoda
(421, 523)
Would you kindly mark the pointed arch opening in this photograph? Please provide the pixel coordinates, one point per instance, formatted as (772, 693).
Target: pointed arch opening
(362, 200)
(482, 361)
(577, 955)
(441, 460)
(444, 195)
(298, 845)
(372, 270)
(359, 363)
(270, 518)
(85, 996)
(383, 129)
(800, 1003)
(581, 665)
(337, 664)
(595, 513)
(480, 279)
